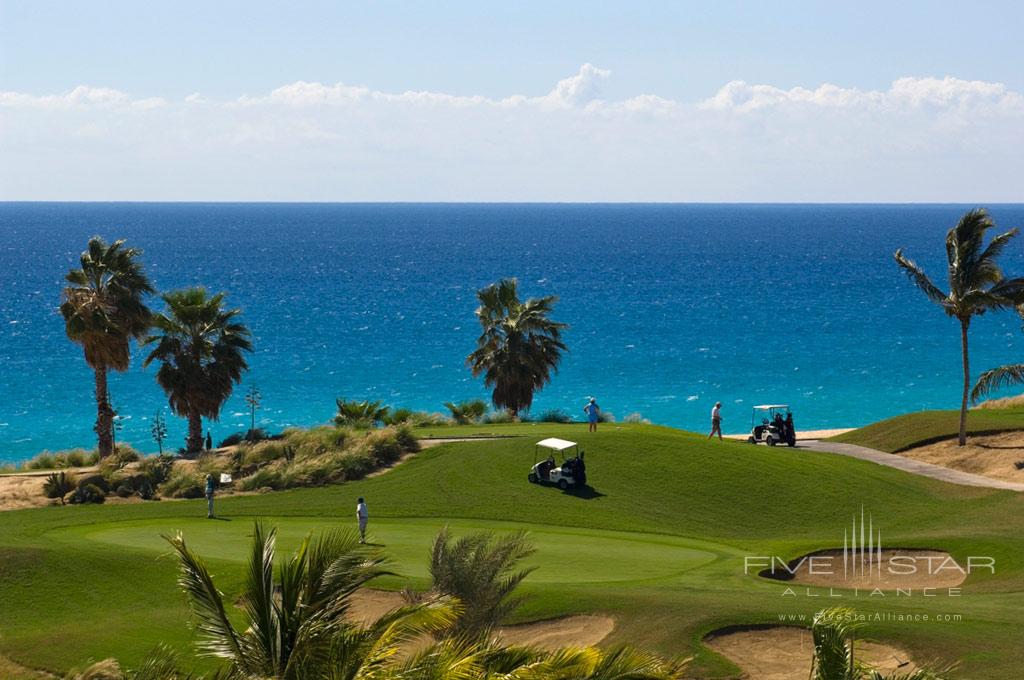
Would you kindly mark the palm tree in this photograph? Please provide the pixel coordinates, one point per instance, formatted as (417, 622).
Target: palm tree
(835, 632)
(976, 283)
(479, 570)
(519, 347)
(466, 412)
(364, 413)
(294, 625)
(103, 308)
(201, 348)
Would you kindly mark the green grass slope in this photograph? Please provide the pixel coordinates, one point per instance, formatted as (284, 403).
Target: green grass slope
(917, 429)
(659, 544)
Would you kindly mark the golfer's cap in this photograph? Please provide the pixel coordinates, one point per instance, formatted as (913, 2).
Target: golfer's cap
(718, 403)
(361, 499)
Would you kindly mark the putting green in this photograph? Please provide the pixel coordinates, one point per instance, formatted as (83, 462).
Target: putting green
(563, 554)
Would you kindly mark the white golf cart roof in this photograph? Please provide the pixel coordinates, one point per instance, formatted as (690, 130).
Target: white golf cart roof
(767, 406)
(556, 444)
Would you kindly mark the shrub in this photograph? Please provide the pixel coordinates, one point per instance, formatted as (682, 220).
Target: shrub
(124, 490)
(466, 412)
(605, 417)
(43, 461)
(59, 485)
(268, 477)
(406, 439)
(554, 416)
(121, 456)
(636, 419)
(183, 483)
(156, 469)
(360, 413)
(498, 417)
(97, 480)
(88, 493)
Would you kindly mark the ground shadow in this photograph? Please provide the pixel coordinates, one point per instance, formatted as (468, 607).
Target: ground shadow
(222, 519)
(996, 446)
(585, 492)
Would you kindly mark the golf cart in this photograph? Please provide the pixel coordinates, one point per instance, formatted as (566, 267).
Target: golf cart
(772, 424)
(572, 471)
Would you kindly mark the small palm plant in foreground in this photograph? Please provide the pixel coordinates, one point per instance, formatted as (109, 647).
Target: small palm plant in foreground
(835, 641)
(481, 571)
(519, 345)
(103, 308)
(295, 625)
(976, 284)
(201, 348)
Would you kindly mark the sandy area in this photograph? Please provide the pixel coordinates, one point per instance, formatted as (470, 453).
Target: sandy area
(996, 456)
(888, 569)
(802, 435)
(785, 653)
(12, 671)
(581, 630)
(23, 491)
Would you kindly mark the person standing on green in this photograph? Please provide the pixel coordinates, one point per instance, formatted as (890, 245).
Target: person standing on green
(210, 486)
(362, 516)
(593, 412)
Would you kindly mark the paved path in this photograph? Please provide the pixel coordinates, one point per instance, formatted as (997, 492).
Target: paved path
(910, 465)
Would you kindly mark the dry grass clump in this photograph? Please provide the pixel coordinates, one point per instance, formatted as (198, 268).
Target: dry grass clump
(1004, 402)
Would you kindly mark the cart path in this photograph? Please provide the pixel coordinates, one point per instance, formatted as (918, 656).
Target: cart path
(916, 467)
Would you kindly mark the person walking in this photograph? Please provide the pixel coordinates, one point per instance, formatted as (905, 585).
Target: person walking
(716, 421)
(209, 441)
(210, 486)
(362, 516)
(592, 410)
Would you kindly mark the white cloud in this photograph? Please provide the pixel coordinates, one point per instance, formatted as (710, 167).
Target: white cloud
(904, 94)
(919, 139)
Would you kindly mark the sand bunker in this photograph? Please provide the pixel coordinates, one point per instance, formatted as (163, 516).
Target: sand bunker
(887, 569)
(999, 456)
(581, 630)
(22, 491)
(785, 653)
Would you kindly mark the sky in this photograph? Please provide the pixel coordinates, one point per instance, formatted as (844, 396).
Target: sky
(523, 101)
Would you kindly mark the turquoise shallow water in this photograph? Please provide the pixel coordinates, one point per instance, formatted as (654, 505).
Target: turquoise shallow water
(671, 308)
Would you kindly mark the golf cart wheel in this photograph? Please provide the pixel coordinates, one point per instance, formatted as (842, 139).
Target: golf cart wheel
(562, 484)
(533, 478)
(770, 441)
(751, 440)
(791, 443)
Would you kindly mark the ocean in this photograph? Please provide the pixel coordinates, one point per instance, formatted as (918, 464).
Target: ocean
(671, 308)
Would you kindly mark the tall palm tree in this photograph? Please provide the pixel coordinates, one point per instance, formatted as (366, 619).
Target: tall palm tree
(976, 283)
(103, 308)
(201, 347)
(519, 345)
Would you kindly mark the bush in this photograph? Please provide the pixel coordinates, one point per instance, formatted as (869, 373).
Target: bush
(97, 480)
(121, 456)
(466, 412)
(43, 461)
(88, 493)
(605, 417)
(502, 416)
(636, 419)
(554, 416)
(59, 485)
(156, 469)
(184, 483)
(360, 414)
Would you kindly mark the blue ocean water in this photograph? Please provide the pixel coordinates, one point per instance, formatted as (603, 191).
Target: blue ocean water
(671, 307)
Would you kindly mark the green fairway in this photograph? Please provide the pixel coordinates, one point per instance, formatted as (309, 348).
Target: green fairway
(917, 429)
(658, 544)
(580, 556)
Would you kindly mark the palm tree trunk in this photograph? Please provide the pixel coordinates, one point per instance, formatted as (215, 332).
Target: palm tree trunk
(964, 323)
(104, 427)
(194, 443)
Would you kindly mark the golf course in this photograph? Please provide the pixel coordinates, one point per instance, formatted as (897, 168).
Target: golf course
(658, 542)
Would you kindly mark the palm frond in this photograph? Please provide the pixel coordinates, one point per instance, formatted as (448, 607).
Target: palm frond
(920, 279)
(219, 637)
(997, 378)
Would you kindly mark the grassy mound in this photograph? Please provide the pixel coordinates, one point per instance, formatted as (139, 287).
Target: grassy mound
(658, 543)
(926, 427)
